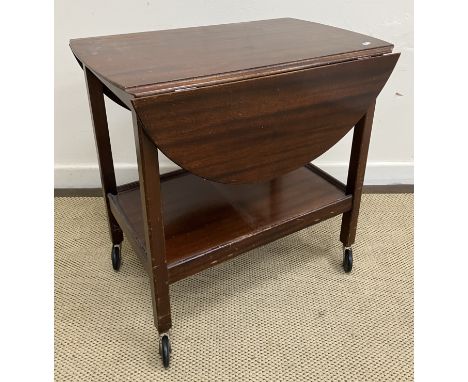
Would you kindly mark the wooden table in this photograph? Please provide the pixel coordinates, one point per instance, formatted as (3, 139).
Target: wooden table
(243, 109)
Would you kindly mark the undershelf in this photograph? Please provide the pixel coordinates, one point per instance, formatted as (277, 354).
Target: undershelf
(207, 222)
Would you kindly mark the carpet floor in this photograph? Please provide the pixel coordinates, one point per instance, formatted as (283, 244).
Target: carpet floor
(282, 312)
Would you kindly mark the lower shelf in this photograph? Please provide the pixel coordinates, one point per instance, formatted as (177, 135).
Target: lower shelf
(207, 222)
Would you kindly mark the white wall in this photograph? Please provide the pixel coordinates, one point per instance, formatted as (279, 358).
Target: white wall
(391, 151)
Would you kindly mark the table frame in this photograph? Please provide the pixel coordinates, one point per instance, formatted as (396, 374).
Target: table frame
(150, 190)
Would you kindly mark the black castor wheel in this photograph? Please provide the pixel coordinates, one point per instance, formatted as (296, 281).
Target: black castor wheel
(165, 349)
(116, 257)
(348, 260)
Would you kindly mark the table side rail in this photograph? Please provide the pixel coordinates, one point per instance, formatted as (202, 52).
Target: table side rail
(214, 256)
(325, 175)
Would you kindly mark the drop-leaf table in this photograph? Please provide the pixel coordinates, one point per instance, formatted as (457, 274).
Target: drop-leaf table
(242, 109)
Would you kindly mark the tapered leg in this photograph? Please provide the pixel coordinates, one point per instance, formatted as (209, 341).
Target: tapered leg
(103, 148)
(357, 169)
(150, 189)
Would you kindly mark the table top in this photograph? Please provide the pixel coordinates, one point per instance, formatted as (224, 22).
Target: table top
(170, 60)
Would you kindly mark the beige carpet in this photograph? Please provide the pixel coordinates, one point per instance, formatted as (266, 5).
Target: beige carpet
(283, 312)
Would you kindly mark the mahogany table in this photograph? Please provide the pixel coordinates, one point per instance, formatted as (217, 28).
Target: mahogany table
(243, 109)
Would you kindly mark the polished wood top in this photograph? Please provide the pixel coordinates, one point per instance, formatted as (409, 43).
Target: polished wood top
(161, 61)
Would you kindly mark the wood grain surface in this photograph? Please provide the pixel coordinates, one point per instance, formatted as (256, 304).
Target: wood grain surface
(148, 62)
(256, 130)
(207, 222)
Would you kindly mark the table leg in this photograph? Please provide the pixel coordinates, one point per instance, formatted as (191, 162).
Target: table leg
(103, 148)
(150, 189)
(357, 168)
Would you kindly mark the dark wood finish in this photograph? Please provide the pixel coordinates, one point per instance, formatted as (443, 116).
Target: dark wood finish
(247, 103)
(256, 130)
(206, 223)
(111, 91)
(161, 61)
(153, 226)
(103, 148)
(118, 96)
(356, 172)
(326, 176)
